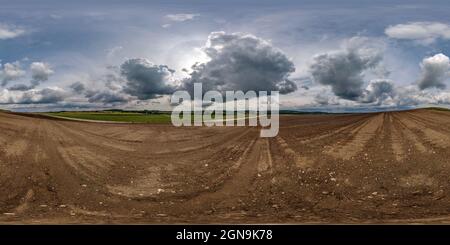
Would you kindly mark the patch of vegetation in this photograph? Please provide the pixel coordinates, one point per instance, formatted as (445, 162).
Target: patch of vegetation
(438, 108)
(115, 116)
(302, 112)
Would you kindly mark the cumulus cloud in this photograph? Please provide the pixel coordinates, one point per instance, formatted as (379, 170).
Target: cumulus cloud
(13, 71)
(344, 69)
(378, 91)
(326, 99)
(236, 62)
(43, 96)
(10, 72)
(181, 17)
(40, 72)
(425, 32)
(242, 62)
(435, 71)
(8, 31)
(146, 80)
(109, 92)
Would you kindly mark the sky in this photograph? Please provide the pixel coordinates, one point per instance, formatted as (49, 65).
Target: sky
(352, 55)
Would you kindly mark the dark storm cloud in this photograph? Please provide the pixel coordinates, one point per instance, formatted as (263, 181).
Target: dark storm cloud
(435, 71)
(242, 62)
(377, 92)
(286, 86)
(20, 87)
(343, 70)
(78, 87)
(146, 80)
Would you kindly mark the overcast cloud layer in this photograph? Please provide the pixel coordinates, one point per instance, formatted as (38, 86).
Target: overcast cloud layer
(134, 55)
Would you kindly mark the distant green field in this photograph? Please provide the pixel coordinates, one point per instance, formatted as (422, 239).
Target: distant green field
(136, 116)
(132, 117)
(120, 116)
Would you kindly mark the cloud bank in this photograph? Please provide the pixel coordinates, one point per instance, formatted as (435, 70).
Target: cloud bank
(33, 96)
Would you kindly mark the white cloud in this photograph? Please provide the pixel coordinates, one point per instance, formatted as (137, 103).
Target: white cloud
(13, 72)
(112, 52)
(435, 71)
(413, 96)
(8, 32)
(181, 17)
(424, 32)
(10, 72)
(40, 71)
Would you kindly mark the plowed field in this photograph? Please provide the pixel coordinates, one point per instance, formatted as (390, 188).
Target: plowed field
(391, 167)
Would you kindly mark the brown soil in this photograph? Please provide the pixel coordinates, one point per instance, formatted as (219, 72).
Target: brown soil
(362, 168)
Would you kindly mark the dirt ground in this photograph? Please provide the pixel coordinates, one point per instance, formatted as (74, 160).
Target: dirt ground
(362, 168)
